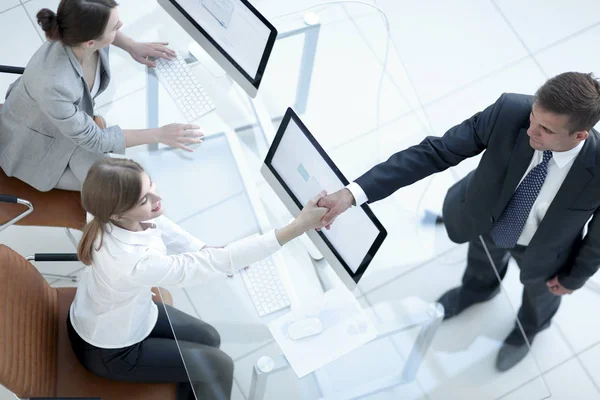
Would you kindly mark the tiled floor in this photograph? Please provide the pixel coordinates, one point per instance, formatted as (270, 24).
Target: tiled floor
(446, 61)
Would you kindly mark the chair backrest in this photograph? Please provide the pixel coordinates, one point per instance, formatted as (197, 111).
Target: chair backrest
(28, 329)
(58, 208)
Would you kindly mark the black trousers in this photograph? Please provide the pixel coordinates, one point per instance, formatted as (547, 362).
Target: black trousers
(157, 359)
(479, 281)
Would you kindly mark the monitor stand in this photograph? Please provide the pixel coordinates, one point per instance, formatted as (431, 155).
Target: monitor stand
(310, 247)
(326, 275)
(203, 58)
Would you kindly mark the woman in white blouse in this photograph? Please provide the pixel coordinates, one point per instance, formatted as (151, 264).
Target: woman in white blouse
(115, 328)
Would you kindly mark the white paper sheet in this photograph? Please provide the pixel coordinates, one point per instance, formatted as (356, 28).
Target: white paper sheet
(345, 328)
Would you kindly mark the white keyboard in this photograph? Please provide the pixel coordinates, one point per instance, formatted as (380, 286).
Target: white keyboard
(184, 88)
(265, 287)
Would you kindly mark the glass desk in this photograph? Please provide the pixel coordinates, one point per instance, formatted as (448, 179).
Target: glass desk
(329, 73)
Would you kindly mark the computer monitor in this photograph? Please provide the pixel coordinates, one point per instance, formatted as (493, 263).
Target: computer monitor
(232, 32)
(297, 168)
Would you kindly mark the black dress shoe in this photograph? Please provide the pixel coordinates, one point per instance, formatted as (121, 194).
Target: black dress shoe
(514, 349)
(454, 303)
(510, 355)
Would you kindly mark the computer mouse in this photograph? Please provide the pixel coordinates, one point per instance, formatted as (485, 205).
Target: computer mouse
(304, 328)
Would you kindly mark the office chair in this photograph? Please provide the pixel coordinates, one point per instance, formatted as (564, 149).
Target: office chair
(36, 358)
(56, 208)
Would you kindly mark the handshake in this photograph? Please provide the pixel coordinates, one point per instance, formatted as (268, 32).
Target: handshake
(323, 209)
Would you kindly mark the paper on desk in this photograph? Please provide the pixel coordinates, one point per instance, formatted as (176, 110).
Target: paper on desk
(345, 328)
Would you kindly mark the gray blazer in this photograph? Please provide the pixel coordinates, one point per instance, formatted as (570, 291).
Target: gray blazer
(475, 202)
(48, 114)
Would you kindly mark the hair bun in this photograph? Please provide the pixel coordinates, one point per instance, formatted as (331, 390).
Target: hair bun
(48, 21)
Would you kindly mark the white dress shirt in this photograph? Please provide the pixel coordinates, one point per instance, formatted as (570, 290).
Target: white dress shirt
(558, 168)
(113, 307)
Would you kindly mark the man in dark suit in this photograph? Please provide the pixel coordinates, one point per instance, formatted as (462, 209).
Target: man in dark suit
(536, 186)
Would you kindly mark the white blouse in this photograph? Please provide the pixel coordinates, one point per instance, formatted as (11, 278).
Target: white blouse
(113, 307)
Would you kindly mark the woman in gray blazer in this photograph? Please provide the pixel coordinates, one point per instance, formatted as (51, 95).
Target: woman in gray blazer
(48, 137)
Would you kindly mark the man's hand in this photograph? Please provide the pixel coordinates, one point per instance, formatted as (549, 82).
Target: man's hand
(556, 288)
(337, 203)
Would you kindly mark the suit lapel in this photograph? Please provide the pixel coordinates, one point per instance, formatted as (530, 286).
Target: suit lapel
(575, 182)
(104, 69)
(73, 60)
(519, 161)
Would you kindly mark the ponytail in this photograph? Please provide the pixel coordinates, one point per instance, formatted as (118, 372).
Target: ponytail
(48, 21)
(85, 249)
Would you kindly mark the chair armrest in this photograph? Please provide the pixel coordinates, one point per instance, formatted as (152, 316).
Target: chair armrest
(53, 257)
(4, 198)
(12, 70)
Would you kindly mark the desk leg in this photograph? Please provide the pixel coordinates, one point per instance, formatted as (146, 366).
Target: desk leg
(424, 339)
(152, 103)
(264, 367)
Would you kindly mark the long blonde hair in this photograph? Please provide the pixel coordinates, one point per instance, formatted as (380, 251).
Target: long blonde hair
(112, 186)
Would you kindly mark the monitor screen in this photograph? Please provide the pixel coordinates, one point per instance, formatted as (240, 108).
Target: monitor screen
(303, 168)
(235, 28)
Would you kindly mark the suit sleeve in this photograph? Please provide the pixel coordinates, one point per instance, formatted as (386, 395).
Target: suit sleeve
(59, 104)
(433, 154)
(587, 260)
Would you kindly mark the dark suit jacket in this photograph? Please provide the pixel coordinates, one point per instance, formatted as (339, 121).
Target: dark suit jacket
(473, 204)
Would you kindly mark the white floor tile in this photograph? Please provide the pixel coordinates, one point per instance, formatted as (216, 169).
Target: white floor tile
(568, 382)
(17, 52)
(6, 394)
(567, 55)
(523, 77)
(574, 320)
(591, 362)
(542, 22)
(6, 4)
(446, 45)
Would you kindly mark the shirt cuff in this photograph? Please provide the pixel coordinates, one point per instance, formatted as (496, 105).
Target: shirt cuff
(359, 194)
(117, 141)
(270, 241)
(196, 244)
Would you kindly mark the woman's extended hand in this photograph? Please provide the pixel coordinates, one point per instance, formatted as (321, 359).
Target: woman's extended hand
(180, 135)
(310, 216)
(141, 51)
